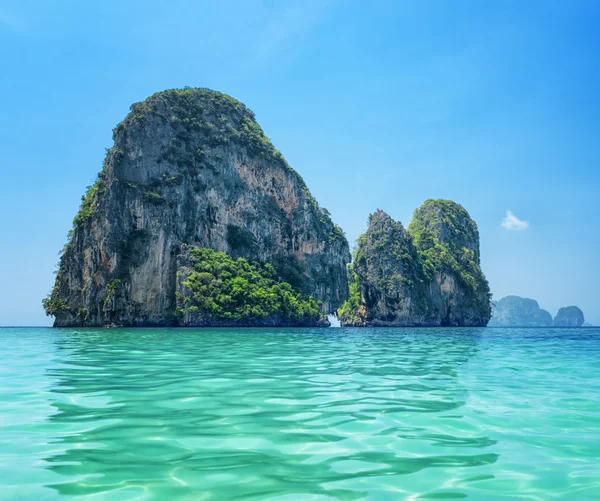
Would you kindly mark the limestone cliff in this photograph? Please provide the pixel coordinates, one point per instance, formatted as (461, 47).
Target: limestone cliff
(515, 311)
(190, 167)
(386, 279)
(569, 316)
(427, 276)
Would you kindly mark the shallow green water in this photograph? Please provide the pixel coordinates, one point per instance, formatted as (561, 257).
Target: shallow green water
(300, 414)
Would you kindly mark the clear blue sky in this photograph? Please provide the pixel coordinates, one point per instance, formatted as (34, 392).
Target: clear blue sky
(495, 105)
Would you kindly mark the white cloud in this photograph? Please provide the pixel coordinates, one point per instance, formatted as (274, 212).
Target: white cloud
(513, 223)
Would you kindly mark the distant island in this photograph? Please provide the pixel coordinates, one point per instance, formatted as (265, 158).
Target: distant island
(516, 311)
(569, 316)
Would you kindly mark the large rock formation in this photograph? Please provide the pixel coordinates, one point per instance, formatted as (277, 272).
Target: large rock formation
(426, 276)
(569, 316)
(190, 167)
(515, 311)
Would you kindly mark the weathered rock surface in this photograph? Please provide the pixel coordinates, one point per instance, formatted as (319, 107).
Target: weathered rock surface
(570, 316)
(388, 278)
(190, 166)
(515, 311)
(427, 276)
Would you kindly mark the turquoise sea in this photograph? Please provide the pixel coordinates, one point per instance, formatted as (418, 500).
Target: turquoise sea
(299, 414)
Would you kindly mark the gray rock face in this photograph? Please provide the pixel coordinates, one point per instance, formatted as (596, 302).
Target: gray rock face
(515, 311)
(190, 166)
(570, 316)
(426, 276)
(392, 283)
(447, 239)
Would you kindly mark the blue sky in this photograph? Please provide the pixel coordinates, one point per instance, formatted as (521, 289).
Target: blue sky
(495, 105)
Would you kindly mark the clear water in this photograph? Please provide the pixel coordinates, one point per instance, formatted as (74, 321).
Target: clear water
(300, 414)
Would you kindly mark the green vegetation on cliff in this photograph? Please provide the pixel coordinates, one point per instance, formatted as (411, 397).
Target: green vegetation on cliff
(215, 287)
(89, 201)
(220, 118)
(352, 311)
(447, 240)
(53, 305)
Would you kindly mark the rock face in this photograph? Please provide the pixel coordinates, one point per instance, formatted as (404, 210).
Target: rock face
(515, 311)
(190, 167)
(570, 316)
(426, 276)
(386, 278)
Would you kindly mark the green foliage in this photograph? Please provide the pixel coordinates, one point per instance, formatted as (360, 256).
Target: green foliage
(154, 198)
(352, 311)
(253, 136)
(228, 290)
(445, 222)
(89, 201)
(336, 233)
(165, 180)
(111, 288)
(53, 305)
(444, 235)
(69, 243)
(216, 117)
(88, 204)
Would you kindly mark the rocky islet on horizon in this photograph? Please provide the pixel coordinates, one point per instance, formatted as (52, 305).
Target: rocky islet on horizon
(516, 311)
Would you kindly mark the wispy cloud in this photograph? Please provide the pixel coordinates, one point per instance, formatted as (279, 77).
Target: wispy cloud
(8, 22)
(295, 19)
(513, 223)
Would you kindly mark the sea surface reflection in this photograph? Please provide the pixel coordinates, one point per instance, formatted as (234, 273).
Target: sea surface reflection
(301, 414)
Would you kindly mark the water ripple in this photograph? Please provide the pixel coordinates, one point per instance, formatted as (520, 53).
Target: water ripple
(300, 414)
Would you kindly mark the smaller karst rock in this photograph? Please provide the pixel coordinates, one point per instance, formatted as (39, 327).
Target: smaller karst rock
(570, 316)
(426, 276)
(387, 283)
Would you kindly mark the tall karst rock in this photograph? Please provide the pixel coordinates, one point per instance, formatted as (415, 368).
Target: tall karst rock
(429, 275)
(192, 168)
